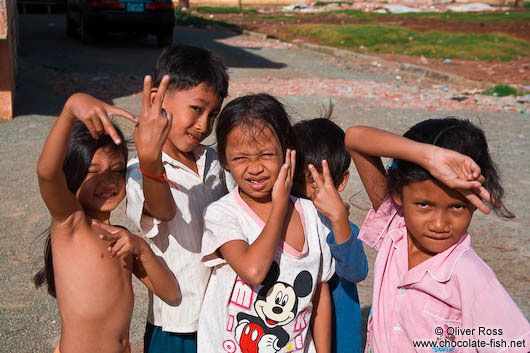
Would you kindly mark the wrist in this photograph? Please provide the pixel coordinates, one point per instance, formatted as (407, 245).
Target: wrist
(154, 167)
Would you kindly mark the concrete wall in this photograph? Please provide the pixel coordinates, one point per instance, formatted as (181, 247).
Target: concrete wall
(8, 47)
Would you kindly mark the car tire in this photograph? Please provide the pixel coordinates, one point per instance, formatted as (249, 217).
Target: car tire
(87, 37)
(71, 30)
(164, 39)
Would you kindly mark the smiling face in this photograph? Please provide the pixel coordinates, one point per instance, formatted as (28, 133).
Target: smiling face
(254, 157)
(436, 218)
(278, 306)
(104, 185)
(194, 111)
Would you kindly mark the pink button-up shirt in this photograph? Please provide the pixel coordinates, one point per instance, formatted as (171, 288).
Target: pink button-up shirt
(452, 299)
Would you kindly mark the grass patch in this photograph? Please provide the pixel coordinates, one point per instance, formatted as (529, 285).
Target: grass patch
(325, 3)
(400, 40)
(224, 10)
(184, 18)
(445, 16)
(501, 91)
(275, 17)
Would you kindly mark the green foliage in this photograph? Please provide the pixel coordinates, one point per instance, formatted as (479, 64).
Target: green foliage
(325, 3)
(501, 91)
(497, 16)
(224, 10)
(526, 5)
(184, 18)
(401, 40)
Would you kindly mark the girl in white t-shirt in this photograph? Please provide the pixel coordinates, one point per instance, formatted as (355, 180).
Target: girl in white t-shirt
(268, 251)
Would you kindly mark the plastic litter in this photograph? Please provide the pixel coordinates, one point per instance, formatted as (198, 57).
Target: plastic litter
(473, 7)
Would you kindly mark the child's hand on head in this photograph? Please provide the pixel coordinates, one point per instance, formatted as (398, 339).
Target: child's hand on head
(96, 114)
(284, 182)
(459, 172)
(155, 123)
(121, 241)
(326, 198)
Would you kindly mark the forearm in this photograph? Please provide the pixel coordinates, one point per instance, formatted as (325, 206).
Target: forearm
(351, 263)
(378, 143)
(159, 201)
(160, 280)
(321, 319)
(341, 226)
(51, 160)
(252, 262)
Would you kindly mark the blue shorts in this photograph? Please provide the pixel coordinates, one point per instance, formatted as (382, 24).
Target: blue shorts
(158, 341)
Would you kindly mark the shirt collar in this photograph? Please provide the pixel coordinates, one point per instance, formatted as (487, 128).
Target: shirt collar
(441, 266)
(199, 153)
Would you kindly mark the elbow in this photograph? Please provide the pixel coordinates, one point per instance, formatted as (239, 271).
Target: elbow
(353, 135)
(253, 276)
(163, 214)
(173, 297)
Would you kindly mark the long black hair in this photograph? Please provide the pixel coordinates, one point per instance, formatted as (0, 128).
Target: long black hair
(457, 135)
(78, 158)
(249, 111)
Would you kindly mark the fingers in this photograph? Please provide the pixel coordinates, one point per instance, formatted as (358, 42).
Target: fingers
(109, 128)
(475, 201)
(159, 97)
(146, 95)
(292, 164)
(123, 113)
(316, 176)
(327, 174)
(109, 237)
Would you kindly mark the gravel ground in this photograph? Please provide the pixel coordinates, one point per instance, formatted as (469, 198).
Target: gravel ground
(53, 66)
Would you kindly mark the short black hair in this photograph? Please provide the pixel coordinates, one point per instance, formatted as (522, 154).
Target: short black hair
(249, 111)
(458, 135)
(189, 66)
(319, 139)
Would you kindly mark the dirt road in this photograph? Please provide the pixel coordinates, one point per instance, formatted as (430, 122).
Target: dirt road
(52, 66)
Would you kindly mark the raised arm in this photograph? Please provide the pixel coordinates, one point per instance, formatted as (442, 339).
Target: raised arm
(150, 136)
(146, 266)
(366, 145)
(252, 262)
(52, 182)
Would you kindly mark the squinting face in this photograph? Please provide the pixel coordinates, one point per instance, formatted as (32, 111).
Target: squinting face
(104, 186)
(194, 111)
(254, 157)
(436, 216)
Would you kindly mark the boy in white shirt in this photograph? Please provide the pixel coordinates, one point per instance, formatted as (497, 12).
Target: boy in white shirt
(173, 178)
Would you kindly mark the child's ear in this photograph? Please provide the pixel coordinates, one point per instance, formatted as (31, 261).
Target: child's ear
(397, 199)
(344, 181)
(153, 94)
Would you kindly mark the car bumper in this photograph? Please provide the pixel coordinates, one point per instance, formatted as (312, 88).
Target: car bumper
(121, 21)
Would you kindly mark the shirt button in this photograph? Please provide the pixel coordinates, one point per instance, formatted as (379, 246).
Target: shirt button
(402, 291)
(397, 328)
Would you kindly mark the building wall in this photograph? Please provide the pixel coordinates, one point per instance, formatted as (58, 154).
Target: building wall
(8, 46)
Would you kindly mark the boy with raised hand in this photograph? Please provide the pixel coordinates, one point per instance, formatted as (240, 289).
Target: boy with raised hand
(172, 179)
(324, 173)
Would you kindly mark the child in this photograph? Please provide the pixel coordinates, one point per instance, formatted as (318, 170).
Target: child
(321, 143)
(430, 287)
(267, 249)
(81, 175)
(173, 179)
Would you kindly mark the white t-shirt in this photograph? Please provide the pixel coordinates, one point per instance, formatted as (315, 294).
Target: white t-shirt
(178, 241)
(273, 316)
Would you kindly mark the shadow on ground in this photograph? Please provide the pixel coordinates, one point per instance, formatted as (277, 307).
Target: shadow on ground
(52, 66)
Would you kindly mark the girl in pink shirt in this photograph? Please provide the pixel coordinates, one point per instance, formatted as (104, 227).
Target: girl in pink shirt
(432, 293)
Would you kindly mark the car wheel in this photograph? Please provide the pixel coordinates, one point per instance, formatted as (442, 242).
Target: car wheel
(164, 39)
(71, 30)
(87, 37)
